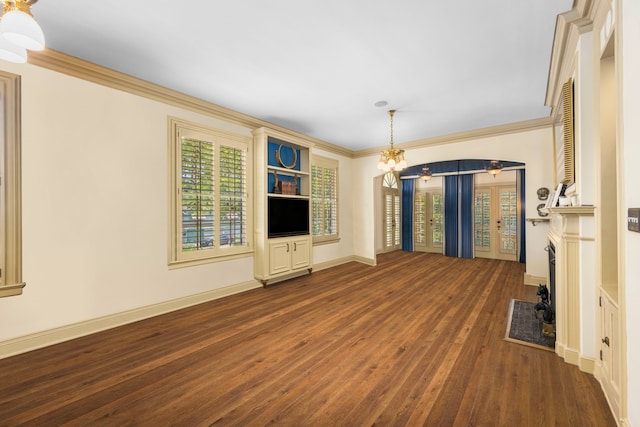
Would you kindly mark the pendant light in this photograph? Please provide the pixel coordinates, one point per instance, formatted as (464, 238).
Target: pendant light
(19, 30)
(392, 159)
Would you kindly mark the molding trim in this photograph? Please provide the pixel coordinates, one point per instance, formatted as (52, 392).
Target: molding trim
(541, 123)
(578, 16)
(65, 333)
(85, 70)
(531, 280)
(587, 364)
(368, 261)
(333, 263)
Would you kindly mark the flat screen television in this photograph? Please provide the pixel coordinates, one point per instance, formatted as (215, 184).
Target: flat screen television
(288, 217)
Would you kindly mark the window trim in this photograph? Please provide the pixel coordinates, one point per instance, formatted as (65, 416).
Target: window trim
(175, 257)
(329, 163)
(11, 283)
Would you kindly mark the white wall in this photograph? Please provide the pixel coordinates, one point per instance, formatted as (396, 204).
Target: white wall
(534, 148)
(630, 59)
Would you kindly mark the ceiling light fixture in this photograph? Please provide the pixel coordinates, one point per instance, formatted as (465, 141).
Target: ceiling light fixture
(494, 168)
(19, 30)
(392, 159)
(426, 174)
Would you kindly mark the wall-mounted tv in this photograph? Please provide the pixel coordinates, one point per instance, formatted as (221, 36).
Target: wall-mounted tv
(288, 217)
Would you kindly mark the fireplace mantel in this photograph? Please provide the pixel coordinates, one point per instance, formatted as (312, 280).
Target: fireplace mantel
(572, 232)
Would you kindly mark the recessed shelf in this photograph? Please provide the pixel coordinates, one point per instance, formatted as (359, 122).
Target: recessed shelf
(285, 171)
(535, 221)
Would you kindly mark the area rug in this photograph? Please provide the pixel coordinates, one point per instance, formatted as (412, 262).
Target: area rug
(524, 326)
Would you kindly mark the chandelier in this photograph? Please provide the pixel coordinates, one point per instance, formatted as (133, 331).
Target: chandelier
(426, 174)
(494, 168)
(392, 159)
(19, 31)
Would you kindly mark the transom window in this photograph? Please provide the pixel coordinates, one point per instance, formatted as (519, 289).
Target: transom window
(210, 194)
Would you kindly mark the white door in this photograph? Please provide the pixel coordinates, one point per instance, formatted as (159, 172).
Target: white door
(496, 222)
(428, 228)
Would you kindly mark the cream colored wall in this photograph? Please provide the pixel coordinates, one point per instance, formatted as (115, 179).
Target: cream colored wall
(533, 147)
(95, 212)
(330, 252)
(629, 63)
(94, 203)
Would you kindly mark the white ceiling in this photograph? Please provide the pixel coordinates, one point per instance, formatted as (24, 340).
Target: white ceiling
(318, 67)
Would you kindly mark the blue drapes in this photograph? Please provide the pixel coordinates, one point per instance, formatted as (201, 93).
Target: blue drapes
(520, 182)
(407, 214)
(451, 215)
(466, 215)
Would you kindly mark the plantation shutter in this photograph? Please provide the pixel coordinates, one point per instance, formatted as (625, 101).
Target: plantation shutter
(324, 197)
(197, 189)
(233, 196)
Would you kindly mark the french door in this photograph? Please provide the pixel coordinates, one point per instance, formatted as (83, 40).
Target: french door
(428, 221)
(496, 222)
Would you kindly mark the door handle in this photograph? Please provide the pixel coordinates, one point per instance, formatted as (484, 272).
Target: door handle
(605, 340)
(295, 246)
(287, 247)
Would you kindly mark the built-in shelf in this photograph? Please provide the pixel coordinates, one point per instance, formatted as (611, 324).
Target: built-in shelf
(287, 196)
(287, 172)
(571, 210)
(535, 221)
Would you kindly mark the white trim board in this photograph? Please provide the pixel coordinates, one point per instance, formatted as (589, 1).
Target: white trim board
(49, 337)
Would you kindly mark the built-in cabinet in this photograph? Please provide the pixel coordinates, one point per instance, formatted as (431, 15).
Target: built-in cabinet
(288, 254)
(610, 349)
(282, 220)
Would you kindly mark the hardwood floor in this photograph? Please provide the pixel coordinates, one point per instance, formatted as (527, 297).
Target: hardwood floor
(416, 340)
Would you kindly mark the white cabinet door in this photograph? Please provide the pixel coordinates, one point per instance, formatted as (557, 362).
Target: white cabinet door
(300, 253)
(279, 256)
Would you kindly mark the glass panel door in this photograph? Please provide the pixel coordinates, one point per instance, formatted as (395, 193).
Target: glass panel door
(496, 222)
(482, 222)
(508, 222)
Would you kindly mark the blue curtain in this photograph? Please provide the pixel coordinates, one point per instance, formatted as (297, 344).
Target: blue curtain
(520, 186)
(407, 214)
(466, 215)
(451, 215)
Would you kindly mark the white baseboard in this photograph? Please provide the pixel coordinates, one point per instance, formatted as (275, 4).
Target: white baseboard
(65, 333)
(587, 364)
(333, 263)
(367, 261)
(532, 280)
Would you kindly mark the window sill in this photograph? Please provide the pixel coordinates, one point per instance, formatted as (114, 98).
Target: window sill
(325, 240)
(219, 258)
(11, 290)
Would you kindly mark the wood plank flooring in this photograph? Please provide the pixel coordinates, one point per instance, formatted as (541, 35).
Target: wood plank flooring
(416, 340)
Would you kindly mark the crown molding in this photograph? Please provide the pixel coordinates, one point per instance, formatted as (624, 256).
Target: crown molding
(69, 65)
(579, 18)
(517, 127)
(85, 70)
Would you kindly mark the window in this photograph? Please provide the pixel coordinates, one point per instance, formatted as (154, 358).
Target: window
(210, 194)
(324, 196)
(10, 188)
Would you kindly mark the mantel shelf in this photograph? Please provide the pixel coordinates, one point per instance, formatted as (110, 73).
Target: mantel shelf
(535, 221)
(571, 210)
